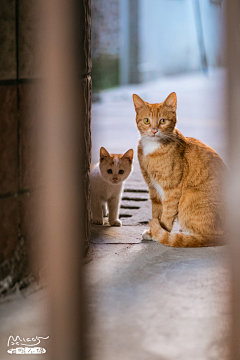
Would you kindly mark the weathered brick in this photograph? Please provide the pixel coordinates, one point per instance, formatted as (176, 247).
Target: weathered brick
(9, 220)
(28, 215)
(28, 39)
(8, 140)
(7, 40)
(29, 125)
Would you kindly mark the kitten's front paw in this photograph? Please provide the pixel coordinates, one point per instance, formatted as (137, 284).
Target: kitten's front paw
(115, 222)
(97, 221)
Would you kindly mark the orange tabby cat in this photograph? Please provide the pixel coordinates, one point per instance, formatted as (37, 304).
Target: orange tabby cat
(184, 177)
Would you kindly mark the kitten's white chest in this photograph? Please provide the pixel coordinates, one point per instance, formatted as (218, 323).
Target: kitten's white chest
(158, 188)
(149, 145)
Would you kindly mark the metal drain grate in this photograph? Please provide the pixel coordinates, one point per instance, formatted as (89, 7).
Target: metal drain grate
(136, 190)
(129, 207)
(132, 213)
(133, 199)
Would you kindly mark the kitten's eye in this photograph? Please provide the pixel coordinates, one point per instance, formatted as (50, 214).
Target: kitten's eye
(162, 121)
(109, 171)
(121, 171)
(146, 121)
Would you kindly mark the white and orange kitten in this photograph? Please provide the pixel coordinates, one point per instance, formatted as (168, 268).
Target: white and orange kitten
(106, 181)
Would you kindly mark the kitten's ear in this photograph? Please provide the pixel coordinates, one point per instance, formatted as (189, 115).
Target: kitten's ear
(103, 153)
(138, 102)
(128, 154)
(171, 100)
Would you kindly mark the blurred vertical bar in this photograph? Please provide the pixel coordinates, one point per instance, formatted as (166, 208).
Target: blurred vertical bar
(199, 28)
(133, 12)
(233, 186)
(124, 42)
(65, 148)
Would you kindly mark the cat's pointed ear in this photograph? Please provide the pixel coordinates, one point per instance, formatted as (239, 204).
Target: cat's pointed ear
(128, 154)
(138, 102)
(171, 100)
(103, 153)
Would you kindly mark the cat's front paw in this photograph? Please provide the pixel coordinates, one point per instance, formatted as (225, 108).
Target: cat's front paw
(147, 235)
(97, 221)
(116, 222)
(166, 225)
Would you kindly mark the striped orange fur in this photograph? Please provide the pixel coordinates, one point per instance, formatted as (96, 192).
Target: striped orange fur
(184, 176)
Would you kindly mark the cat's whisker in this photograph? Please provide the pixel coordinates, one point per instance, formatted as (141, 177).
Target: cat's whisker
(171, 136)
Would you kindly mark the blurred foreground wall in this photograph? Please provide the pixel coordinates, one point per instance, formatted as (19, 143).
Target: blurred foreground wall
(19, 178)
(20, 98)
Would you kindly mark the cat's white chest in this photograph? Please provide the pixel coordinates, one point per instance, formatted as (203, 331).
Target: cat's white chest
(158, 188)
(149, 145)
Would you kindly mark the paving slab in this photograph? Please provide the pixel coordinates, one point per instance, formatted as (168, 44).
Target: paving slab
(115, 235)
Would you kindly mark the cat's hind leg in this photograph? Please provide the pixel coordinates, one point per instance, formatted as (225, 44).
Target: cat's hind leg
(183, 239)
(170, 208)
(156, 213)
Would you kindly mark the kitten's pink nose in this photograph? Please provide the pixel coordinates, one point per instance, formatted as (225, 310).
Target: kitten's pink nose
(115, 179)
(154, 130)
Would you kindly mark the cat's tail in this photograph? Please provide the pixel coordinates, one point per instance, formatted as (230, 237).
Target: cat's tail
(182, 239)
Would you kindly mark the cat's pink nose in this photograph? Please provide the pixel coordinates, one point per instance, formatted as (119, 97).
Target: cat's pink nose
(115, 179)
(154, 130)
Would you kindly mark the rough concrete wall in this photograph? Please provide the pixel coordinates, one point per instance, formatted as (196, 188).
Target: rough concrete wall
(20, 179)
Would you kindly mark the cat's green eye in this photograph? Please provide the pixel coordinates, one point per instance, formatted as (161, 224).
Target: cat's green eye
(162, 121)
(146, 121)
(121, 171)
(109, 171)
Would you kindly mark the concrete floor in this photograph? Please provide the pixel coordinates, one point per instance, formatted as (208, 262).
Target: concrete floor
(148, 301)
